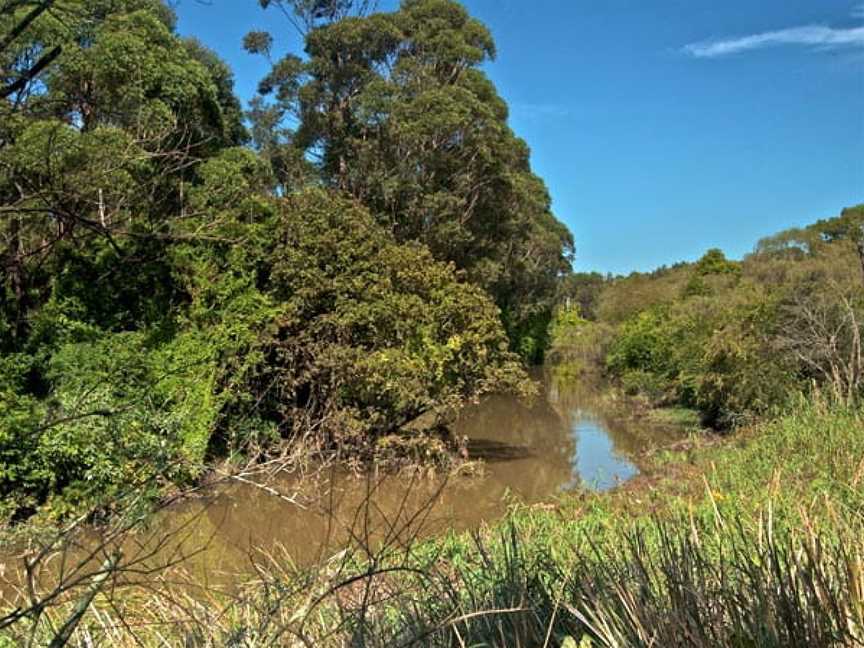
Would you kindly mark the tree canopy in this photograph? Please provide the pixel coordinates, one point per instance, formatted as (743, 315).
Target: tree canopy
(181, 280)
(395, 111)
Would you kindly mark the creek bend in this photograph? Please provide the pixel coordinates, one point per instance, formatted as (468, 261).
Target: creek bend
(569, 438)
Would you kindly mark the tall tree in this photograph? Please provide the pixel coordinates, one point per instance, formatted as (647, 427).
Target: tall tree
(100, 150)
(18, 70)
(396, 112)
(305, 15)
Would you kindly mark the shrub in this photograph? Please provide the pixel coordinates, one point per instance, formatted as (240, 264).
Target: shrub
(108, 423)
(577, 343)
(644, 343)
(357, 335)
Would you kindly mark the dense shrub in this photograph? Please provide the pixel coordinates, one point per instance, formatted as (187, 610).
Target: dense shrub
(578, 345)
(303, 316)
(360, 335)
(738, 340)
(109, 421)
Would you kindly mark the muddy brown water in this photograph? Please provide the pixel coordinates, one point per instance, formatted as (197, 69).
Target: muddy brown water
(569, 438)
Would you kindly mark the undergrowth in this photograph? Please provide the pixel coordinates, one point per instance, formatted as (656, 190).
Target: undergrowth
(756, 541)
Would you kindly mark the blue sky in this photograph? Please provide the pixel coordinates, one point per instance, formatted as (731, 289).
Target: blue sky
(662, 128)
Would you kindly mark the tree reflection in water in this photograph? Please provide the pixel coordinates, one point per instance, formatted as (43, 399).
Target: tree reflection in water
(568, 437)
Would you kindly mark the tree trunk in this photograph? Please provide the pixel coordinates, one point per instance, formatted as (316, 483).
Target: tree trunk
(15, 265)
(859, 244)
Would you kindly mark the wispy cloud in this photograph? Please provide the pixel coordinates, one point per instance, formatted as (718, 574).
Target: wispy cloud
(810, 36)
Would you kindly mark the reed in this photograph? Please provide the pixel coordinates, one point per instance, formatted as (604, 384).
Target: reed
(769, 554)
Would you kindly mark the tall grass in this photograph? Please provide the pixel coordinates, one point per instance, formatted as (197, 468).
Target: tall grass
(659, 584)
(764, 549)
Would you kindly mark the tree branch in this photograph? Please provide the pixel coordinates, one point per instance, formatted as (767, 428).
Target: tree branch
(31, 74)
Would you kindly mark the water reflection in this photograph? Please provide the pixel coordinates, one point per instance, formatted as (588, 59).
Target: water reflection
(569, 437)
(608, 439)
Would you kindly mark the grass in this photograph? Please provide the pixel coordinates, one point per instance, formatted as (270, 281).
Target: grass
(678, 416)
(752, 542)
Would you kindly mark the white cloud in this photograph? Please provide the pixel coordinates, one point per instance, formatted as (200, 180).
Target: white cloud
(811, 36)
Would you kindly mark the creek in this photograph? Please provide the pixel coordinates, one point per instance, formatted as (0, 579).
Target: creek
(571, 437)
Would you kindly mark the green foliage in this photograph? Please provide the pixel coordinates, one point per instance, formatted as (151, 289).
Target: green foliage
(624, 297)
(712, 354)
(739, 340)
(715, 262)
(106, 426)
(20, 414)
(566, 325)
(131, 71)
(406, 122)
(847, 227)
(104, 385)
(643, 343)
(709, 273)
(168, 295)
(577, 344)
(367, 334)
(738, 377)
(583, 290)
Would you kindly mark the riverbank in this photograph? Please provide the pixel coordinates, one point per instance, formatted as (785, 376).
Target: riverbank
(571, 436)
(754, 541)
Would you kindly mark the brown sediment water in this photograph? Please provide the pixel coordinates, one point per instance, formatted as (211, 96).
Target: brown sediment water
(568, 438)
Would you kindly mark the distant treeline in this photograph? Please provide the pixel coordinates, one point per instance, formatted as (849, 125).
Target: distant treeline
(366, 247)
(735, 339)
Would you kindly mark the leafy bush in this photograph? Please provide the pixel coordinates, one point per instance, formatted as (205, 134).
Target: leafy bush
(108, 423)
(740, 340)
(713, 353)
(637, 382)
(644, 343)
(739, 377)
(577, 344)
(359, 335)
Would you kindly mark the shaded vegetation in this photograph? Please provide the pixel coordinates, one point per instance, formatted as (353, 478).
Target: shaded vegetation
(735, 340)
(182, 282)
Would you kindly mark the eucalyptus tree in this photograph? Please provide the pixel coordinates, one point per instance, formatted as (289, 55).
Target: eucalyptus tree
(99, 151)
(305, 15)
(19, 71)
(396, 111)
